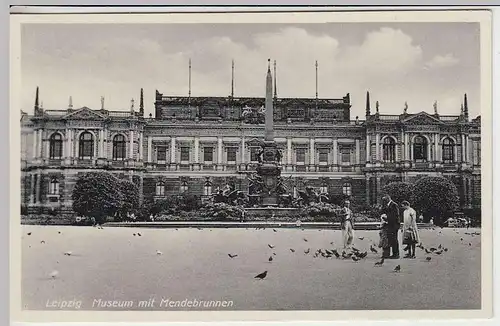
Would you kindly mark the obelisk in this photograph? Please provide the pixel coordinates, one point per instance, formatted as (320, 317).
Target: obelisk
(269, 118)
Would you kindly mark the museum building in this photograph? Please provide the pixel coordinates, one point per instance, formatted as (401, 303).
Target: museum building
(195, 145)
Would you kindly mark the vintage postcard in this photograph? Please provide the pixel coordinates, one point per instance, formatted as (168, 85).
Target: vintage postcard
(251, 166)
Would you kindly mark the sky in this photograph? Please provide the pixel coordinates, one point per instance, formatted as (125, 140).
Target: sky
(417, 63)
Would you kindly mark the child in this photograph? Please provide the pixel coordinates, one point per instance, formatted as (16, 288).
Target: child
(410, 231)
(384, 239)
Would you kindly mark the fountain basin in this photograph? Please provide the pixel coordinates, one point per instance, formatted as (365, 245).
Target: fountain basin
(271, 212)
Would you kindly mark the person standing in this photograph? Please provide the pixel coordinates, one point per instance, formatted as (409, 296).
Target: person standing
(410, 231)
(346, 224)
(391, 210)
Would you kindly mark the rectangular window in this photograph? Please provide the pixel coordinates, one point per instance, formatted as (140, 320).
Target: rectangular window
(254, 154)
(345, 156)
(231, 154)
(54, 188)
(161, 155)
(300, 155)
(323, 156)
(160, 190)
(208, 154)
(184, 154)
(207, 190)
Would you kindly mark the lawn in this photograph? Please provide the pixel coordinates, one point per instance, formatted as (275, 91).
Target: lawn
(113, 264)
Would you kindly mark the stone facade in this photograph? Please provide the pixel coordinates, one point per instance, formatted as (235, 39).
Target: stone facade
(195, 145)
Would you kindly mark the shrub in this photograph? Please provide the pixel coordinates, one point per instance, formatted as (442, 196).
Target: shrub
(436, 197)
(130, 197)
(221, 212)
(97, 195)
(321, 211)
(400, 191)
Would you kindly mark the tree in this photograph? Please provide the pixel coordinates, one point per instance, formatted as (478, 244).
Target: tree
(97, 195)
(436, 197)
(130, 197)
(400, 191)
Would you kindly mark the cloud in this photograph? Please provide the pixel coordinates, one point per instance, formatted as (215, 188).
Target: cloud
(442, 61)
(385, 61)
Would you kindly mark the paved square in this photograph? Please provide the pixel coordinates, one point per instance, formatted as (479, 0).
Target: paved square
(113, 264)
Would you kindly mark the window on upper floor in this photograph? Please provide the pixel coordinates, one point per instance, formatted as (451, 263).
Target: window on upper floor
(119, 148)
(300, 155)
(184, 154)
(231, 154)
(389, 149)
(254, 154)
(161, 155)
(345, 155)
(420, 149)
(448, 148)
(323, 156)
(55, 146)
(86, 145)
(208, 154)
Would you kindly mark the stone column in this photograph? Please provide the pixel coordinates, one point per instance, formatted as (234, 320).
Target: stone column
(403, 146)
(470, 150)
(243, 149)
(289, 151)
(377, 148)
(106, 143)
(335, 152)
(378, 189)
(101, 143)
(196, 149)
(38, 187)
(141, 189)
(131, 145)
(436, 148)
(312, 152)
(367, 187)
(407, 148)
(368, 149)
(66, 144)
(429, 150)
(35, 143)
(32, 189)
(47, 148)
(150, 148)
(410, 148)
(396, 151)
(463, 148)
(357, 152)
(172, 151)
(219, 150)
(39, 138)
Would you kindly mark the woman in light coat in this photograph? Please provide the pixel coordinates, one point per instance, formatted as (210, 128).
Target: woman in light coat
(410, 230)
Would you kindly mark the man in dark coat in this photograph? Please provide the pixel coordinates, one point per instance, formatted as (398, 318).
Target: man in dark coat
(391, 209)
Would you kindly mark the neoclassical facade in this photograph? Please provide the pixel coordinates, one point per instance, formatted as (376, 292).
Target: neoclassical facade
(197, 144)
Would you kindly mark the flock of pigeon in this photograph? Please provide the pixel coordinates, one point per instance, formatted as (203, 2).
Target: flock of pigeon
(353, 254)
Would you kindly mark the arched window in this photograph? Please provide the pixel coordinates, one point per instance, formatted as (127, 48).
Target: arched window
(448, 150)
(86, 145)
(119, 147)
(346, 189)
(420, 149)
(55, 146)
(54, 187)
(389, 149)
(160, 189)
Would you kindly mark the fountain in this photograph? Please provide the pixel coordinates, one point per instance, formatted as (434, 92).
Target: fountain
(268, 196)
